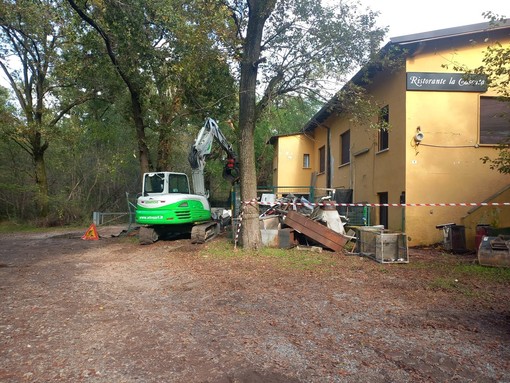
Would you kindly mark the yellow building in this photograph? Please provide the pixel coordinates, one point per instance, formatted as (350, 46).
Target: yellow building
(293, 163)
(440, 125)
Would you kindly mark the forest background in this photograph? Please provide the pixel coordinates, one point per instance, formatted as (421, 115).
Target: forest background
(98, 92)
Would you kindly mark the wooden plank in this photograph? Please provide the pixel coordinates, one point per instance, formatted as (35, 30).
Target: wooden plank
(314, 230)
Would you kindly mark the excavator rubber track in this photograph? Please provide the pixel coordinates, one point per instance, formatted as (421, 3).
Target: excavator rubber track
(204, 232)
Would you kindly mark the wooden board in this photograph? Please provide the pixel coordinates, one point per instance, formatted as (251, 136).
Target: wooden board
(314, 230)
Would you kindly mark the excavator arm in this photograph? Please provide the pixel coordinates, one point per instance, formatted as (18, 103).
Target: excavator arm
(202, 148)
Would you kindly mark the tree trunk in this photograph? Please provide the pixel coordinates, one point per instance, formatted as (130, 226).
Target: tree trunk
(259, 10)
(250, 234)
(167, 114)
(143, 149)
(41, 180)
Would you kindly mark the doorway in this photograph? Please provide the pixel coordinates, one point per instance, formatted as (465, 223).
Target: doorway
(383, 210)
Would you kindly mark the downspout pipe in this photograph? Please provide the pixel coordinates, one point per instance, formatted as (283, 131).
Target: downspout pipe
(330, 161)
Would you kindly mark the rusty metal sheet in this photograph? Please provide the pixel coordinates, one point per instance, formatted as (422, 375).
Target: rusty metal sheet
(314, 230)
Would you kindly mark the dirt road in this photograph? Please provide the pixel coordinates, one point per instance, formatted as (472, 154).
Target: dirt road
(114, 311)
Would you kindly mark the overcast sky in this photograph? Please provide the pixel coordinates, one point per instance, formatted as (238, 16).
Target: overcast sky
(409, 17)
(406, 17)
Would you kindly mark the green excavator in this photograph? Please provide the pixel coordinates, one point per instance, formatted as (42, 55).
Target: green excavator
(167, 207)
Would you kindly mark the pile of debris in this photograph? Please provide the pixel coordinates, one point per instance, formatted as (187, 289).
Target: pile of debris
(294, 221)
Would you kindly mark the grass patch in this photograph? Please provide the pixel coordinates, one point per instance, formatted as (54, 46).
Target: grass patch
(286, 258)
(472, 271)
(221, 250)
(483, 273)
(299, 259)
(15, 227)
(469, 279)
(453, 286)
(452, 265)
(446, 284)
(7, 227)
(459, 288)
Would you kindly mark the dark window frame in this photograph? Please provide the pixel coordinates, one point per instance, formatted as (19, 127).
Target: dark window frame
(322, 159)
(306, 161)
(494, 121)
(383, 133)
(345, 147)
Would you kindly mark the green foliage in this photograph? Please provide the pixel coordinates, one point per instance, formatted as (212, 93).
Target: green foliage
(166, 54)
(496, 66)
(178, 59)
(285, 116)
(33, 39)
(165, 49)
(496, 61)
(309, 42)
(354, 99)
(17, 189)
(501, 162)
(98, 161)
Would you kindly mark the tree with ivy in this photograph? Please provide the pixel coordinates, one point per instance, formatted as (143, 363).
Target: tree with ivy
(284, 116)
(496, 67)
(33, 37)
(287, 47)
(166, 55)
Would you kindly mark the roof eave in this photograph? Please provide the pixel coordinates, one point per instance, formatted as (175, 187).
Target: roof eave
(449, 32)
(416, 38)
(358, 79)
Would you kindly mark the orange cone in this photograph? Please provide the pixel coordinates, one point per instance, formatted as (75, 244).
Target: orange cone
(91, 233)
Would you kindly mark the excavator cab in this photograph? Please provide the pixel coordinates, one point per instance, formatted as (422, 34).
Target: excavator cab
(153, 183)
(165, 182)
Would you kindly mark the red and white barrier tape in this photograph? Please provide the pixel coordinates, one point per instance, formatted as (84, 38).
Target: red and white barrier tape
(236, 238)
(254, 201)
(381, 204)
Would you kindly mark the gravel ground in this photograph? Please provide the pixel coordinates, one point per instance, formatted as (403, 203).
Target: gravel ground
(114, 311)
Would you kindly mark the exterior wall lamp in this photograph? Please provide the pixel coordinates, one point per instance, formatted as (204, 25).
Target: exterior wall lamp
(418, 137)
